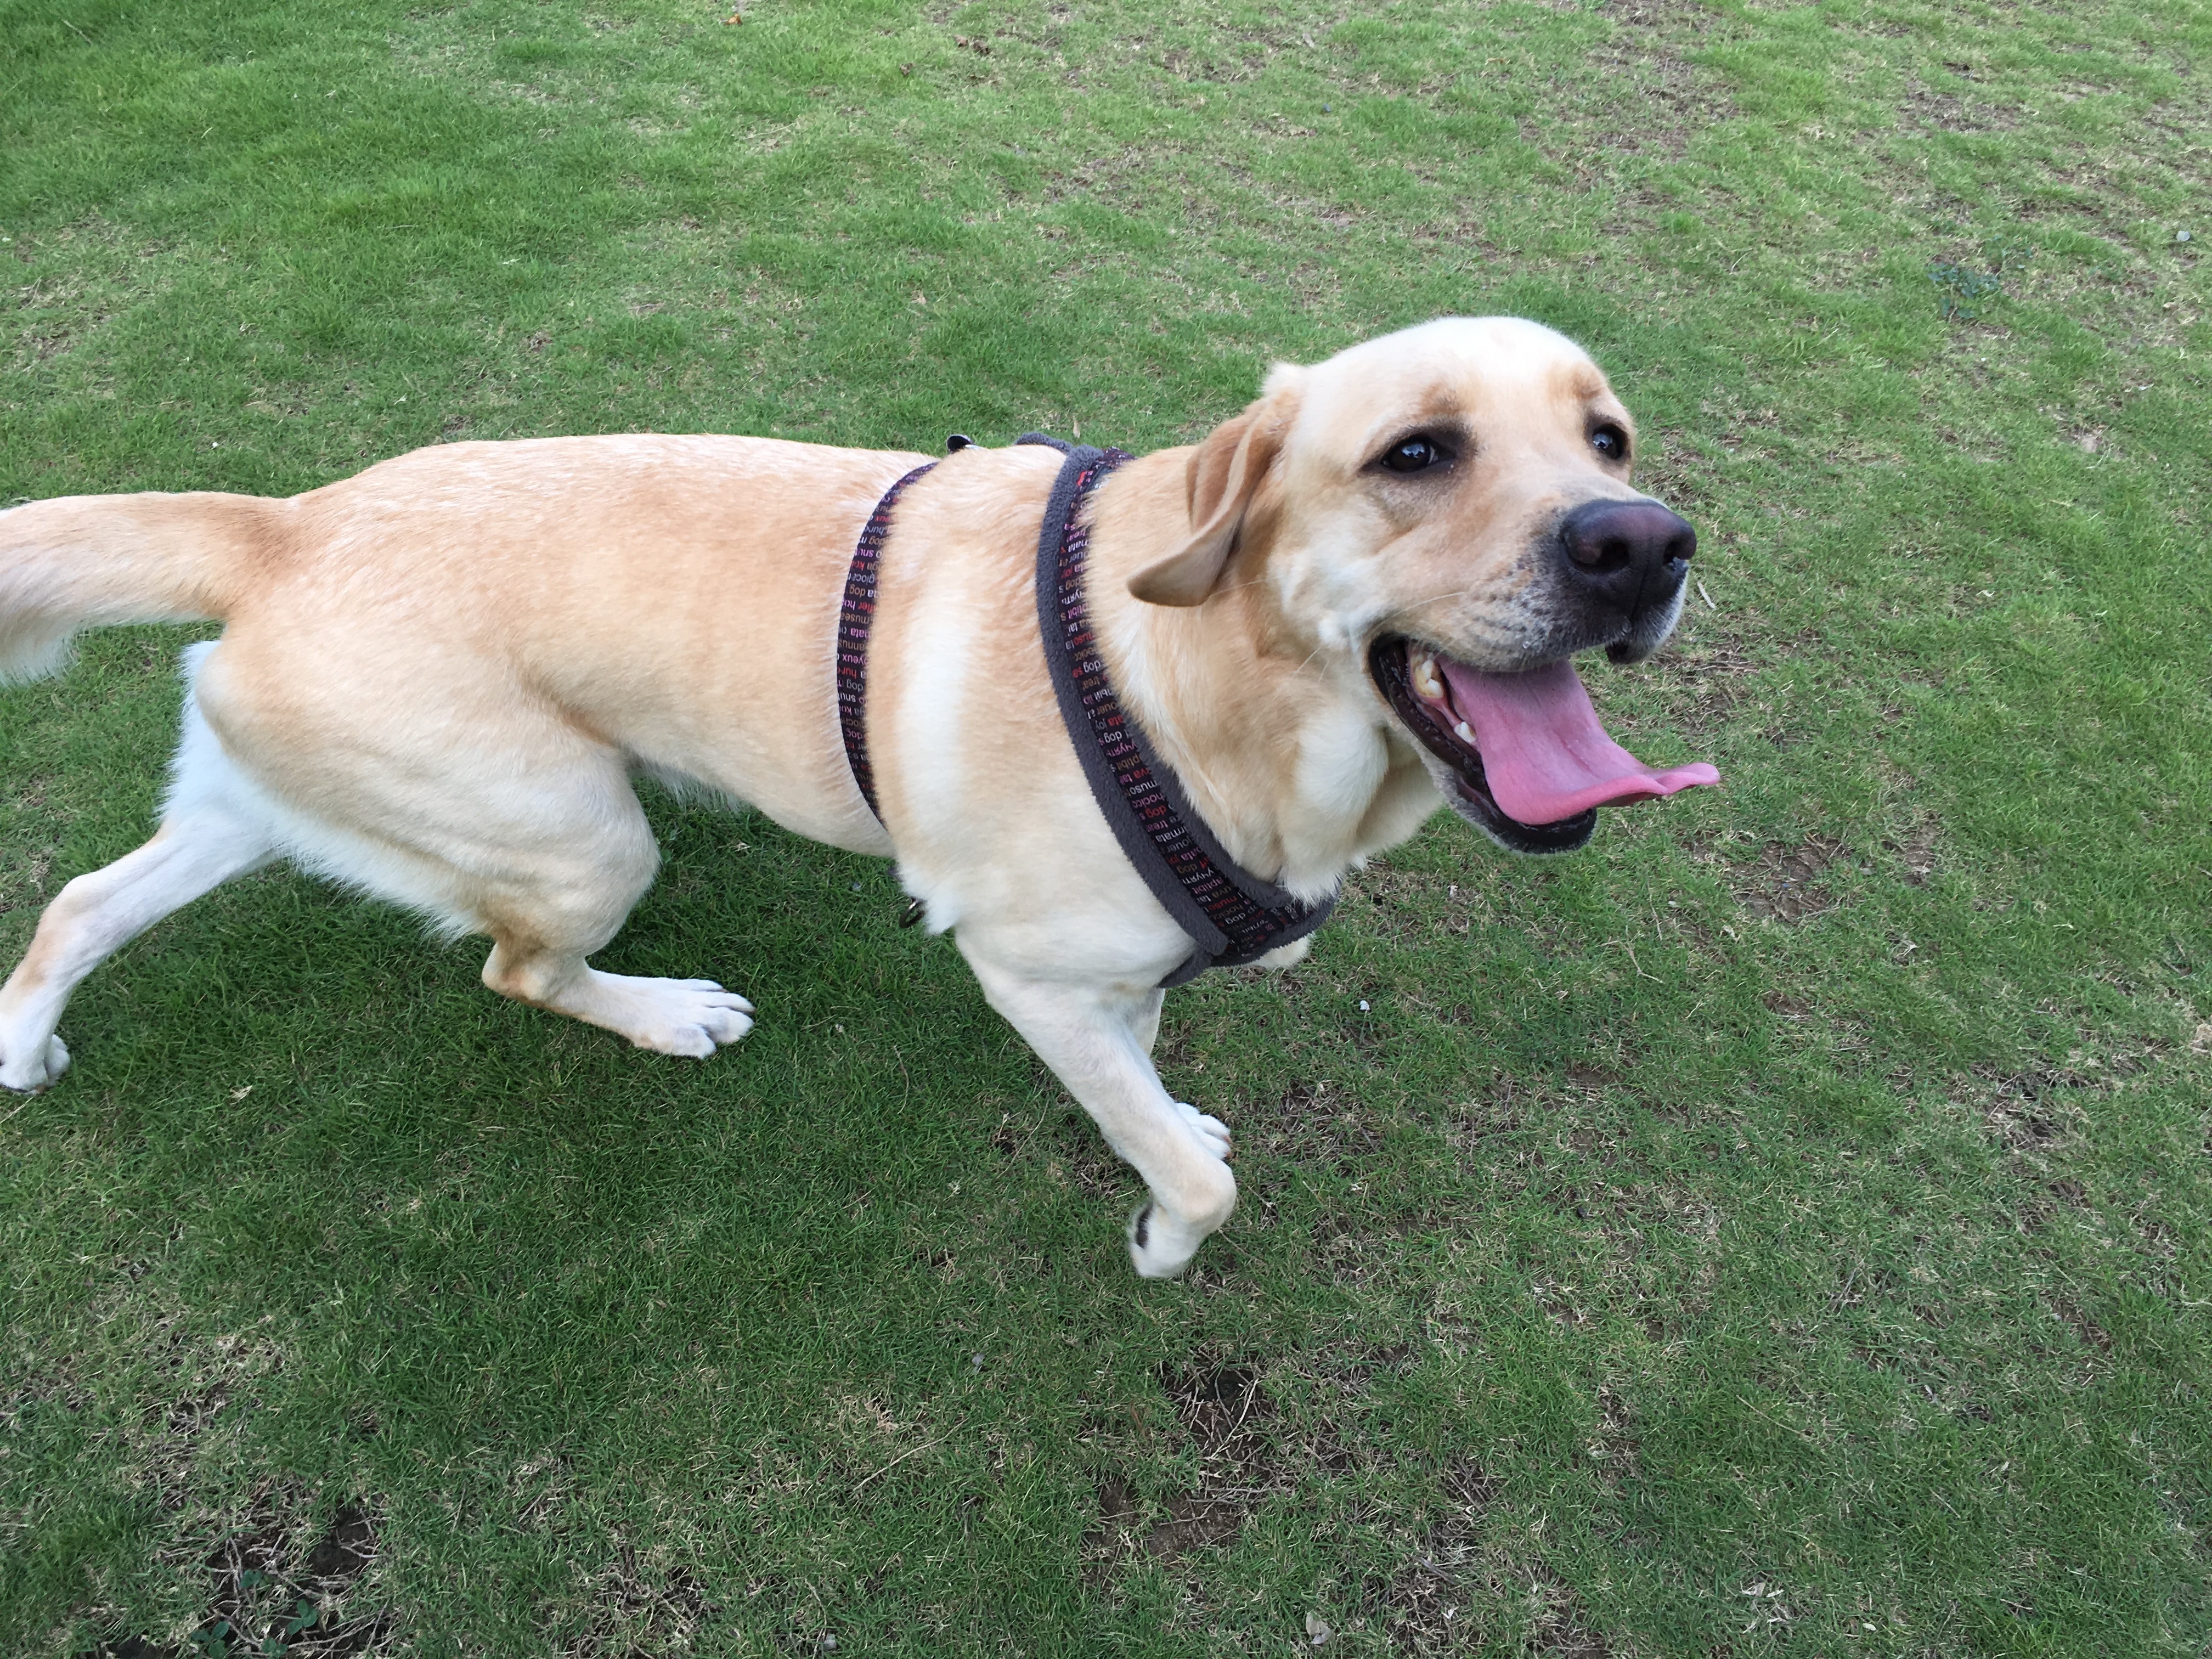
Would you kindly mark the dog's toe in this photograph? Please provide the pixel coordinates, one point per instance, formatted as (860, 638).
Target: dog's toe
(727, 1017)
(1212, 1132)
(690, 1017)
(715, 993)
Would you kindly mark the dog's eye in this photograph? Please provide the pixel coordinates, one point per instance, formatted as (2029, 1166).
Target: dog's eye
(1414, 453)
(1610, 441)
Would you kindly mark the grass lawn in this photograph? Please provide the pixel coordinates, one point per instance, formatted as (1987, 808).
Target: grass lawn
(1785, 1228)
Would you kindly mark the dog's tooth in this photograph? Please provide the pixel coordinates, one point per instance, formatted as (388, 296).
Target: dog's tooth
(1464, 735)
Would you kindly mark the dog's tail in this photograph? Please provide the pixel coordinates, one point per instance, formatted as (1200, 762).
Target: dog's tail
(87, 561)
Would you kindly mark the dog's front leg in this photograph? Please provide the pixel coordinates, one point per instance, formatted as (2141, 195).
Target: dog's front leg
(1097, 1041)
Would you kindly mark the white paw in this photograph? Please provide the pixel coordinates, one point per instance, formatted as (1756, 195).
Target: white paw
(1161, 1241)
(1157, 1248)
(47, 1062)
(688, 1017)
(1212, 1133)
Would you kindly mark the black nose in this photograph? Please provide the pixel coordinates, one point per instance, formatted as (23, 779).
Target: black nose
(1628, 555)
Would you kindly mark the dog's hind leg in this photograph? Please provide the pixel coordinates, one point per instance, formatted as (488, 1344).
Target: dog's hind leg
(549, 866)
(546, 851)
(215, 825)
(194, 851)
(691, 1017)
(457, 794)
(1097, 1042)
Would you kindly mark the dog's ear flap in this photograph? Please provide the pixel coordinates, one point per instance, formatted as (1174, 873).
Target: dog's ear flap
(1225, 471)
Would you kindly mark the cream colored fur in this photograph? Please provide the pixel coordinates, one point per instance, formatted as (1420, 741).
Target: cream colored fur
(437, 678)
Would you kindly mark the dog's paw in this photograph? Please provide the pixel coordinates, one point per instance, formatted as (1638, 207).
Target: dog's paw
(691, 1018)
(37, 1069)
(700, 1017)
(1212, 1133)
(1157, 1249)
(1162, 1241)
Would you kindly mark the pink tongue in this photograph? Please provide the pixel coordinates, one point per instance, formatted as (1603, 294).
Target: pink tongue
(1546, 756)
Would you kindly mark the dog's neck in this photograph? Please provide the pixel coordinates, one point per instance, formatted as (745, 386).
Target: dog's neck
(1278, 740)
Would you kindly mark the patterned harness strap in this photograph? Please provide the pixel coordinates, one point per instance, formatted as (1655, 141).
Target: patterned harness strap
(1233, 916)
(854, 618)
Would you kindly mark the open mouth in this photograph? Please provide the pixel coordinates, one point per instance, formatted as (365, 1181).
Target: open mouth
(1523, 756)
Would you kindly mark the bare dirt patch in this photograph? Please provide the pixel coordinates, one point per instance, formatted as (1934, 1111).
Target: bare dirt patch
(1225, 1412)
(282, 1579)
(1926, 107)
(1915, 850)
(1426, 1605)
(1226, 1416)
(1784, 884)
(2092, 1334)
(1645, 59)
(1317, 1123)
(1447, 1597)
(1714, 662)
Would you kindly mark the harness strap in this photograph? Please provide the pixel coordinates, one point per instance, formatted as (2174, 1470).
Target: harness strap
(1233, 916)
(854, 617)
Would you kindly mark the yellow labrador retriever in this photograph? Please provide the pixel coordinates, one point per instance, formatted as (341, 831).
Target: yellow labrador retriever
(437, 678)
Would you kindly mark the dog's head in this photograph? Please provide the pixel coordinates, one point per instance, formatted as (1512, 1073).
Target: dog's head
(1447, 513)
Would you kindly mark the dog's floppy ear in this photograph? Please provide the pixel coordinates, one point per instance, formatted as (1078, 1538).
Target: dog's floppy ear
(1225, 471)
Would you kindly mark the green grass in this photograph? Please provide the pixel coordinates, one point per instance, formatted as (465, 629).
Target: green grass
(1785, 1228)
